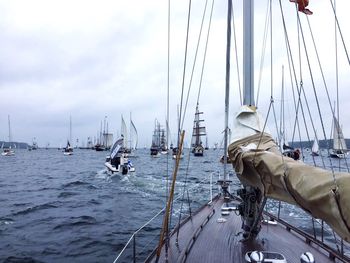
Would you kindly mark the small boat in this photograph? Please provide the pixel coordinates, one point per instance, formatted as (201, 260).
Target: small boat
(68, 150)
(117, 161)
(8, 151)
(315, 150)
(339, 145)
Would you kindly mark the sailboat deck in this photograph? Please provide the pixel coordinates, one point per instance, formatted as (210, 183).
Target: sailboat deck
(204, 239)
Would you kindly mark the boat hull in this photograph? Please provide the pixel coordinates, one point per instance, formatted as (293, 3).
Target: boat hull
(112, 169)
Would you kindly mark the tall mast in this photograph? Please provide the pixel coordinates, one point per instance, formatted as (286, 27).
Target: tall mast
(248, 53)
(8, 118)
(227, 84)
(70, 128)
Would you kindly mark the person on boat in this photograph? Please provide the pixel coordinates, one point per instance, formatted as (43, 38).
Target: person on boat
(130, 165)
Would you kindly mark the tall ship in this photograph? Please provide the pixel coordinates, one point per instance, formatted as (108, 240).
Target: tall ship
(198, 134)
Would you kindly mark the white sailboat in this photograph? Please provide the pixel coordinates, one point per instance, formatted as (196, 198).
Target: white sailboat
(117, 161)
(8, 151)
(339, 145)
(133, 135)
(315, 150)
(68, 150)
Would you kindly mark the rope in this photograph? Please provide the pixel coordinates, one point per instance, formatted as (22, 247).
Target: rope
(236, 53)
(194, 64)
(184, 72)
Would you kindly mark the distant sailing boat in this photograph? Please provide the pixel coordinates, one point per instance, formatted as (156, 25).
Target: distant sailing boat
(315, 147)
(198, 133)
(133, 135)
(155, 147)
(8, 150)
(117, 161)
(68, 150)
(339, 146)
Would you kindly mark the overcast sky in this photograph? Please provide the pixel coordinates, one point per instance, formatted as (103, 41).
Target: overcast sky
(91, 59)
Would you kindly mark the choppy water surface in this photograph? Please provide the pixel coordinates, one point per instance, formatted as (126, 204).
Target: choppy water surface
(57, 208)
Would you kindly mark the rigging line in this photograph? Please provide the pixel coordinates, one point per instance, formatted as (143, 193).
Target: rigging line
(263, 48)
(183, 194)
(301, 86)
(168, 114)
(271, 51)
(336, 64)
(227, 82)
(184, 72)
(275, 118)
(326, 89)
(313, 86)
(194, 63)
(340, 32)
(236, 53)
(323, 79)
(205, 51)
(189, 154)
(290, 59)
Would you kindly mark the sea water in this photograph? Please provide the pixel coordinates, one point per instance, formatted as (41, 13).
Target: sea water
(57, 208)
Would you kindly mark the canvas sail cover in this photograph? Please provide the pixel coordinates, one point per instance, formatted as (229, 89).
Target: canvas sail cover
(259, 163)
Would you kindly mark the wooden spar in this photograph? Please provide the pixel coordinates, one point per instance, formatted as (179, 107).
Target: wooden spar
(171, 196)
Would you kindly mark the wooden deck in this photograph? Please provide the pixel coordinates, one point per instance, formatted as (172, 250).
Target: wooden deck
(204, 239)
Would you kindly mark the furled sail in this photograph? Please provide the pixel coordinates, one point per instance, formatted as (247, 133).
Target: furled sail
(259, 163)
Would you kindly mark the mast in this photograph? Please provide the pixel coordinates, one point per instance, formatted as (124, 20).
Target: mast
(70, 128)
(9, 124)
(248, 53)
(227, 84)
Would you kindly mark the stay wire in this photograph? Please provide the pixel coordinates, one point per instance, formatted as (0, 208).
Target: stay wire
(205, 51)
(340, 32)
(236, 54)
(297, 101)
(263, 48)
(184, 72)
(194, 63)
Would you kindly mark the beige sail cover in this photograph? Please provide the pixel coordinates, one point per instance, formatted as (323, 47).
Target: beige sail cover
(259, 163)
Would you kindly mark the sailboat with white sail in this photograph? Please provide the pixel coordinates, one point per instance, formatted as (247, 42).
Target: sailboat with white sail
(315, 150)
(239, 226)
(8, 151)
(117, 162)
(68, 150)
(340, 149)
(130, 137)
